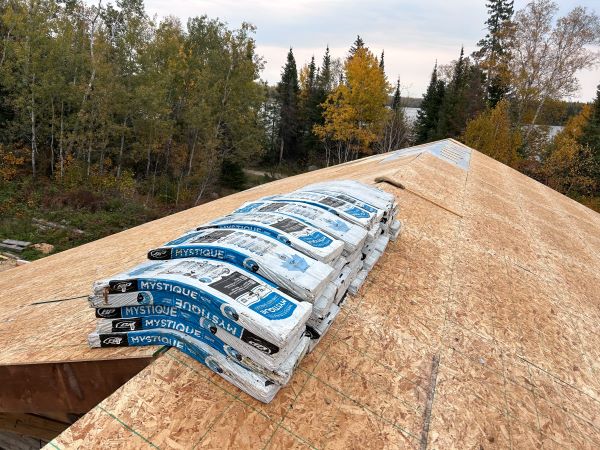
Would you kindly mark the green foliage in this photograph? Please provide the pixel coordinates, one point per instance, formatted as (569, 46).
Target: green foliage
(288, 91)
(571, 166)
(464, 98)
(95, 213)
(491, 133)
(494, 49)
(590, 133)
(356, 45)
(232, 175)
(101, 96)
(428, 116)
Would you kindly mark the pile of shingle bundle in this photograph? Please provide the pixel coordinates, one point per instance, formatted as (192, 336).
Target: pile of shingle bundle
(249, 294)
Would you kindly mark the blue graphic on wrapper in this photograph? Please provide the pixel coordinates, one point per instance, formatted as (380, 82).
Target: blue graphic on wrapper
(317, 239)
(339, 225)
(274, 306)
(294, 263)
(357, 212)
(256, 229)
(367, 208)
(144, 268)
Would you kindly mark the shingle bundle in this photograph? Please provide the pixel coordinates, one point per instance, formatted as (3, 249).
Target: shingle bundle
(249, 294)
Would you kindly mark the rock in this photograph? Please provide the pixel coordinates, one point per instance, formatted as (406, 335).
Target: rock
(214, 195)
(44, 248)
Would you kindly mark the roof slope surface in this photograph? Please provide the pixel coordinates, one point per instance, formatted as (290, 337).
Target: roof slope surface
(478, 328)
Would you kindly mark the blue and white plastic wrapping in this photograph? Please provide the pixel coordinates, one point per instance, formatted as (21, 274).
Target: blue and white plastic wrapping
(249, 294)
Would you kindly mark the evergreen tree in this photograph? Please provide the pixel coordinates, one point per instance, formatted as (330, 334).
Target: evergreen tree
(396, 131)
(396, 102)
(463, 100)
(288, 90)
(381, 63)
(310, 109)
(358, 43)
(590, 140)
(324, 77)
(493, 48)
(355, 112)
(429, 112)
(591, 130)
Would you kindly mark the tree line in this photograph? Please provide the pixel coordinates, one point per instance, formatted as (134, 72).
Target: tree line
(495, 99)
(107, 97)
(335, 112)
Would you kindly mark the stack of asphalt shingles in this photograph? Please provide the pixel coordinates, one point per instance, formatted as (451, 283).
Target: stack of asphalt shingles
(251, 293)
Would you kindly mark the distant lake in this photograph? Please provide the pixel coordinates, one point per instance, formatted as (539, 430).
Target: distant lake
(411, 114)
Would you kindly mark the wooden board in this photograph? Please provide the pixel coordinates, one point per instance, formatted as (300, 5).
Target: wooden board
(477, 329)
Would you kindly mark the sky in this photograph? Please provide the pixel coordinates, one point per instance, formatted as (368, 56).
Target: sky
(413, 33)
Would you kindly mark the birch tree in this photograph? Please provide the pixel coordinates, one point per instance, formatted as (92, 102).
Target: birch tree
(547, 53)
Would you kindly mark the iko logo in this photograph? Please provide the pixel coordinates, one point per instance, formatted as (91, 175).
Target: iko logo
(259, 346)
(124, 325)
(122, 286)
(159, 253)
(106, 312)
(113, 340)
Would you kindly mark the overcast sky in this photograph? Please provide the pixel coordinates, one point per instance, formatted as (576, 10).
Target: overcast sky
(413, 33)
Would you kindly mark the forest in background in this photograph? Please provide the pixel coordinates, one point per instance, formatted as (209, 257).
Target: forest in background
(110, 118)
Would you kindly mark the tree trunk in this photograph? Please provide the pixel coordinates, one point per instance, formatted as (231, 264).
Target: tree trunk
(89, 157)
(52, 140)
(61, 157)
(101, 162)
(178, 188)
(534, 120)
(33, 135)
(6, 38)
(280, 155)
(189, 171)
(203, 187)
(121, 148)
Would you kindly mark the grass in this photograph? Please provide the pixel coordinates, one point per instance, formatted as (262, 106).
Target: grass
(98, 215)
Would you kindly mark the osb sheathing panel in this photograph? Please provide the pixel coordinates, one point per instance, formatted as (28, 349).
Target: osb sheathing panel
(491, 292)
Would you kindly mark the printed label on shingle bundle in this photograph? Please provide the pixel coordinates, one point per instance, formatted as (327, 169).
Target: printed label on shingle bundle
(293, 271)
(215, 292)
(352, 235)
(288, 230)
(334, 204)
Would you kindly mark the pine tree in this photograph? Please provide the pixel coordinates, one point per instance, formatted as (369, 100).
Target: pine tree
(396, 131)
(324, 78)
(288, 90)
(396, 102)
(381, 63)
(310, 109)
(358, 43)
(429, 111)
(463, 100)
(493, 48)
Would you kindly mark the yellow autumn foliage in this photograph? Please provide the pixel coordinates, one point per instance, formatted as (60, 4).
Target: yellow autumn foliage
(565, 165)
(492, 134)
(355, 111)
(10, 164)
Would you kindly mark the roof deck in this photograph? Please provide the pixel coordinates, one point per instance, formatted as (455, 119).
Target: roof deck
(478, 328)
